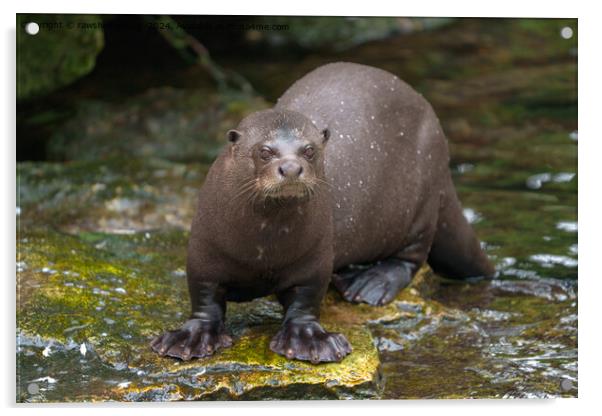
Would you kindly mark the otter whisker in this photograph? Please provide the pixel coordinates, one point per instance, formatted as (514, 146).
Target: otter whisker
(322, 181)
(248, 186)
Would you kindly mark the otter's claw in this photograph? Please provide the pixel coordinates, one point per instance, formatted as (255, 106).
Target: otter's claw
(308, 341)
(196, 338)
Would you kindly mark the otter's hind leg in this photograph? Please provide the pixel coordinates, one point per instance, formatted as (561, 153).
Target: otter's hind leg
(377, 285)
(456, 251)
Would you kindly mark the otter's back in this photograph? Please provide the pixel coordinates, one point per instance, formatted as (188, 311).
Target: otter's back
(384, 159)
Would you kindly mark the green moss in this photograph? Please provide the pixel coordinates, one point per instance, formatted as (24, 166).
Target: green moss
(59, 54)
(106, 292)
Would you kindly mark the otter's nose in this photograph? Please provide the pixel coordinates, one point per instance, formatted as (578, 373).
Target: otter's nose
(290, 169)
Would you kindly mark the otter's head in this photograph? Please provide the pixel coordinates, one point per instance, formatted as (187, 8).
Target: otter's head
(280, 155)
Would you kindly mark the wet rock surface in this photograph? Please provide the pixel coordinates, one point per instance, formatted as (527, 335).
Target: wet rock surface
(90, 303)
(98, 283)
(101, 243)
(92, 294)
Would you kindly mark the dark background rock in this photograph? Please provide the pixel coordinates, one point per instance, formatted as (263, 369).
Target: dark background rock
(58, 55)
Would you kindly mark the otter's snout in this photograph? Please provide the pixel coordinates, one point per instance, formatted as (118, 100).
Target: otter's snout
(290, 169)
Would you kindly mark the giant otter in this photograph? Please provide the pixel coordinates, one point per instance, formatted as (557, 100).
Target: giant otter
(349, 167)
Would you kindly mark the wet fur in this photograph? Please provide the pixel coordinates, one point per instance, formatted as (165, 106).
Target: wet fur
(380, 192)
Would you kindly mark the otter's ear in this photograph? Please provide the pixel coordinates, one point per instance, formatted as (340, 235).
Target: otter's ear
(325, 135)
(233, 136)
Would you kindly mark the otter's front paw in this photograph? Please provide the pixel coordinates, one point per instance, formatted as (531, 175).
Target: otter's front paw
(308, 341)
(196, 338)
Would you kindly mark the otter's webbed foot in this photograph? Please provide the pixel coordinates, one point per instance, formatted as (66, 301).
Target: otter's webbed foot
(306, 340)
(377, 285)
(196, 338)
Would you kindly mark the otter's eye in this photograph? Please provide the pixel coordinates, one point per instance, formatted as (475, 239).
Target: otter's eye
(309, 152)
(266, 153)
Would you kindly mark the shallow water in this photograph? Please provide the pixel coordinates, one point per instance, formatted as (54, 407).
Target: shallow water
(514, 159)
(505, 92)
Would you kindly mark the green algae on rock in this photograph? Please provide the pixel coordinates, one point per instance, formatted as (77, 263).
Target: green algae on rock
(249, 370)
(103, 296)
(91, 299)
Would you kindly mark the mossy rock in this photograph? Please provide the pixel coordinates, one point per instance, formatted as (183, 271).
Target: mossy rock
(100, 276)
(103, 297)
(174, 124)
(62, 52)
(90, 302)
